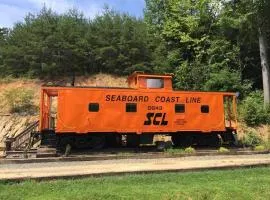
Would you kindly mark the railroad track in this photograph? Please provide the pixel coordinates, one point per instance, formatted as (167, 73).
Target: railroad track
(118, 153)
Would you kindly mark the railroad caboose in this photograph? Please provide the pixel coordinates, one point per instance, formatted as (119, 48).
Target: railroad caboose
(96, 116)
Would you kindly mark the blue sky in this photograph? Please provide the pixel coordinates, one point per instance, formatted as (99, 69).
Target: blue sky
(12, 11)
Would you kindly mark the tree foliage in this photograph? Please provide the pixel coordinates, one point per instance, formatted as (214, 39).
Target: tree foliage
(49, 44)
(201, 40)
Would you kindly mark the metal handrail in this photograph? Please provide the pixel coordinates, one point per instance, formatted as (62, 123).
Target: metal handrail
(23, 137)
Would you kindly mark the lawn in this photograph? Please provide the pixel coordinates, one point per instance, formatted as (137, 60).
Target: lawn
(244, 184)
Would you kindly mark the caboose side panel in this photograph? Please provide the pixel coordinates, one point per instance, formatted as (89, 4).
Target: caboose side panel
(130, 111)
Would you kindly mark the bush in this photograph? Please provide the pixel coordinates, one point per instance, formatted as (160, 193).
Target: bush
(260, 148)
(20, 100)
(252, 110)
(251, 139)
(223, 150)
(189, 150)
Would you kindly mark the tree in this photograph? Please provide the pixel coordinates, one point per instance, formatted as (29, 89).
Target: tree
(3, 38)
(255, 26)
(198, 40)
(263, 7)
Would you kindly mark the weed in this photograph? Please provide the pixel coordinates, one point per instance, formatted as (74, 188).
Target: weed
(190, 150)
(260, 148)
(223, 150)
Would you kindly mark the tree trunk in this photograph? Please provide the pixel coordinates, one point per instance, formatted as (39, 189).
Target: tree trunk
(265, 66)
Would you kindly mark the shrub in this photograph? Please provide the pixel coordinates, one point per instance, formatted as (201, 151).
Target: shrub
(20, 100)
(252, 110)
(260, 148)
(223, 150)
(251, 139)
(189, 150)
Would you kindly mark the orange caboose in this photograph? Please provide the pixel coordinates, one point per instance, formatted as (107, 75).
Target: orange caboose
(147, 107)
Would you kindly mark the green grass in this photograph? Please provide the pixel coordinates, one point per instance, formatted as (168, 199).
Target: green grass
(243, 184)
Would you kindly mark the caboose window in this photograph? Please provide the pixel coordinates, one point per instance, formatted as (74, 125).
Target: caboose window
(179, 108)
(93, 107)
(131, 107)
(155, 83)
(205, 109)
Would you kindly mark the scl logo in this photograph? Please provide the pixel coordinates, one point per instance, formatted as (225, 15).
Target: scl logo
(156, 119)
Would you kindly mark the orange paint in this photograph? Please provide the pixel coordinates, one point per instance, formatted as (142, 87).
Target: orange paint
(155, 108)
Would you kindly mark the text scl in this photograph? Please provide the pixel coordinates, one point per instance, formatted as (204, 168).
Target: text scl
(156, 119)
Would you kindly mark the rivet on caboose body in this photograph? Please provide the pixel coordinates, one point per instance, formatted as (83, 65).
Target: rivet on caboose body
(148, 107)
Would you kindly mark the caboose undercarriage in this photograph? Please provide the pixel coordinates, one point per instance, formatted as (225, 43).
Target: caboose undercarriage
(114, 140)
